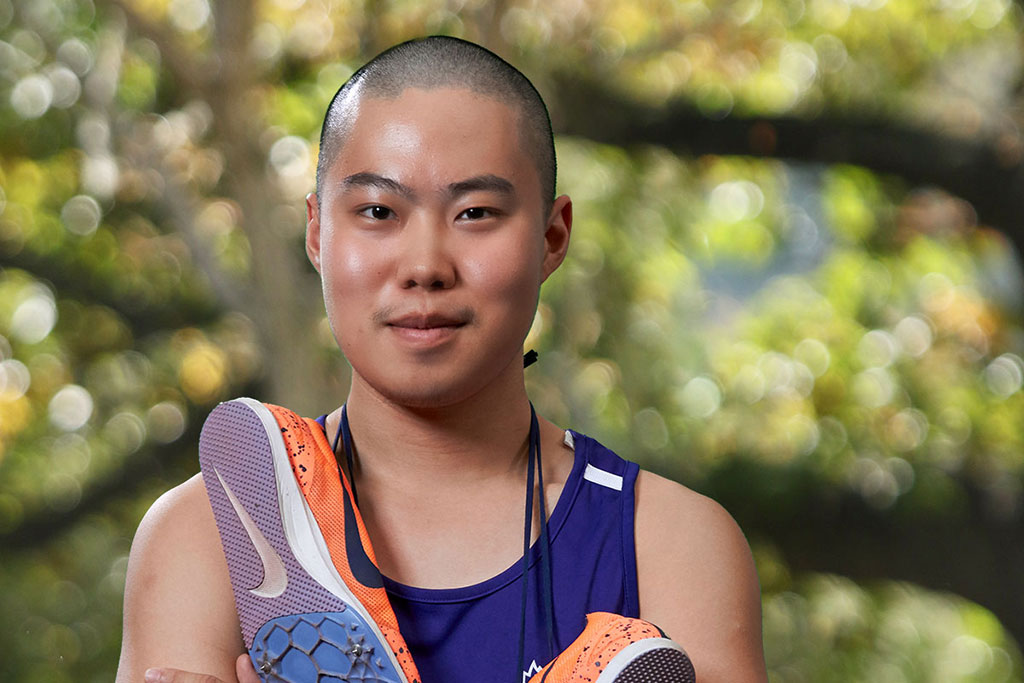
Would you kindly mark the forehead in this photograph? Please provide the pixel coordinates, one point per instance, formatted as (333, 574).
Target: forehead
(439, 135)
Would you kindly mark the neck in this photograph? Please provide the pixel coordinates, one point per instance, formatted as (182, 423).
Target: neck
(481, 437)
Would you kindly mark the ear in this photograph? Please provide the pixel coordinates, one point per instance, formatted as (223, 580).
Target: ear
(313, 230)
(556, 236)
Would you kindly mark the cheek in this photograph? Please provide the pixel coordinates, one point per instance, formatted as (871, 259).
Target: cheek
(351, 273)
(349, 267)
(510, 270)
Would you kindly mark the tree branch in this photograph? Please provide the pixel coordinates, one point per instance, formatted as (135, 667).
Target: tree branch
(990, 178)
(72, 280)
(171, 462)
(125, 483)
(956, 545)
(179, 206)
(185, 69)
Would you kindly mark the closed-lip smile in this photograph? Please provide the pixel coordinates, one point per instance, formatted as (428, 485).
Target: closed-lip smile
(425, 321)
(428, 330)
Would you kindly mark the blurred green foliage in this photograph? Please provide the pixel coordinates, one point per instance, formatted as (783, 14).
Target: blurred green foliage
(832, 320)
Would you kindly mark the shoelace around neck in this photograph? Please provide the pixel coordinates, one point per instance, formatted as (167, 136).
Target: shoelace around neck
(534, 470)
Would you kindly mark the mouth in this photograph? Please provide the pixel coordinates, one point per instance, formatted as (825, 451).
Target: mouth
(423, 331)
(426, 321)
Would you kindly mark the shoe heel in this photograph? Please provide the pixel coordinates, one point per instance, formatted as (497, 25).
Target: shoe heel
(653, 660)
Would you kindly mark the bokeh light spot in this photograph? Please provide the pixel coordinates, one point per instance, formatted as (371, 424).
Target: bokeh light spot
(14, 379)
(65, 86)
(202, 372)
(799, 63)
(71, 454)
(803, 434)
(877, 349)
(34, 317)
(875, 482)
(650, 429)
(873, 387)
(914, 336)
(189, 15)
(1005, 375)
(907, 429)
(125, 432)
(748, 384)
(32, 96)
(71, 407)
(81, 215)
(936, 292)
(814, 355)
(700, 397)
(291, 159)
(76, 55)
(62, 492)
(736, 200)
(166, 422)
(100, 175)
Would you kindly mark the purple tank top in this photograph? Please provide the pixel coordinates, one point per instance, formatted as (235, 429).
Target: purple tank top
(471, 634)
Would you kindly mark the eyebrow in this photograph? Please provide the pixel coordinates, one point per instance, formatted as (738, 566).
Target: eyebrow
(481, 183)
(379, 182)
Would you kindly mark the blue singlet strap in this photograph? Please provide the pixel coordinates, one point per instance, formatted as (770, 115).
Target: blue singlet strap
(346, 436)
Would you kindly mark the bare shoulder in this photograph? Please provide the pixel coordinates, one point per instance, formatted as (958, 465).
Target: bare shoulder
(697, 580)
(178, 606)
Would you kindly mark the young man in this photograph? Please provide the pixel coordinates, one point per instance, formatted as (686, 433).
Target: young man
(433, 226)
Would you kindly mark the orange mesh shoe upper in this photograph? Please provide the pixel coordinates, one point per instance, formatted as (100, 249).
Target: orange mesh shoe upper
(317, 472)
(604, 636)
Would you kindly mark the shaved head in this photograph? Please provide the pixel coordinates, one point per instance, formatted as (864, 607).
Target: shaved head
(442, 62)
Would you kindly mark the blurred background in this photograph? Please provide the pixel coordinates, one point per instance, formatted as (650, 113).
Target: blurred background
(795, 285)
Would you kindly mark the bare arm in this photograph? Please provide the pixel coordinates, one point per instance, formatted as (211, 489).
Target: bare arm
(179, 609)
(697, 581)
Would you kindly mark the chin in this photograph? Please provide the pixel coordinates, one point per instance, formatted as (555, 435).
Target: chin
(424, 388)
(419, 390)
(423, 396)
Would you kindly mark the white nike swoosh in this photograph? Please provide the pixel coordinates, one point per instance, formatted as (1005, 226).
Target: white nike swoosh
(275, 578)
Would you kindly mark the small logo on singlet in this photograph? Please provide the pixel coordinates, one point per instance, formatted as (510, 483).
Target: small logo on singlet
(534, 669)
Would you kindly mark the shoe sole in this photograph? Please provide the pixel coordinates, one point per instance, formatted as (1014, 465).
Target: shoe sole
(299, 620)
(651, 660)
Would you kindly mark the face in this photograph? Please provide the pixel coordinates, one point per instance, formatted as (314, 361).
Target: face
(432, 242)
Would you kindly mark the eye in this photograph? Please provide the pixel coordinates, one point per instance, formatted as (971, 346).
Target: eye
(377, 212)
(476, 213)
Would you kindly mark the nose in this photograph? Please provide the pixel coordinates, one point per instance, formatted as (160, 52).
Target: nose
(425, 259)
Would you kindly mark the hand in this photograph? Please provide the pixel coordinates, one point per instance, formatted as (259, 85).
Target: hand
(243, 669)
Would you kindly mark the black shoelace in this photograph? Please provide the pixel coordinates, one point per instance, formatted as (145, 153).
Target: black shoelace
(534, 463)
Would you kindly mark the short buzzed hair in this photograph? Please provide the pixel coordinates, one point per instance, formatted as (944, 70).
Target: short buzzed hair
(438, 62)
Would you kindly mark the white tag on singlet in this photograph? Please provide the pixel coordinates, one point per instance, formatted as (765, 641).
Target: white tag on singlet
(603, 477)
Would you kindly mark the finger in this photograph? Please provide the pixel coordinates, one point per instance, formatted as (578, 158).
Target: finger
(245, 670)
(163, 675)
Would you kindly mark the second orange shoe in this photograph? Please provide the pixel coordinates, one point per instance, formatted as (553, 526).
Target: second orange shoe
(616, 649)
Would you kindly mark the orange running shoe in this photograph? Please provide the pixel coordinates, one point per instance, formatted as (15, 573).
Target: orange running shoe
(616, 649)
(310, 599)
